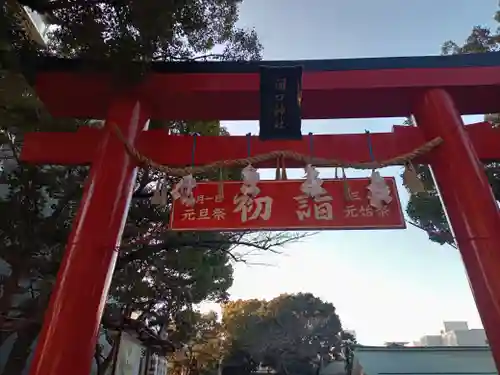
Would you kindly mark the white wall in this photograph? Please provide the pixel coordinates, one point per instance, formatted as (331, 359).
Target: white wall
(472, 337)
(431, 340)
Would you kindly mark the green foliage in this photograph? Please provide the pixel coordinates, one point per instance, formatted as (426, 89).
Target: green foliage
(425, 209)
(202, 349)
(292, 334)
(481, 40)
(149, 30)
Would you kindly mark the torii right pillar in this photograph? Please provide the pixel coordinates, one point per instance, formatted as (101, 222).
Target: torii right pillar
(469, 203)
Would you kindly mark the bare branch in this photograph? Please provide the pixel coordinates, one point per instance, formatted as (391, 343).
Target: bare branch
(263, 241)
(429, 233)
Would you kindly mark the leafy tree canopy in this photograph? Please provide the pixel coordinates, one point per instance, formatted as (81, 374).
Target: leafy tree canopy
(149, 30)
(292, 334)
(203, 346)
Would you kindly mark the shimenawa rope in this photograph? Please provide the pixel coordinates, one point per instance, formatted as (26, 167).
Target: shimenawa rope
(284, 154)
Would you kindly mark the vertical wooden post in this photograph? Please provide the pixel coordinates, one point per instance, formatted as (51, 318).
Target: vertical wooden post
(469, 204)
(67, 341)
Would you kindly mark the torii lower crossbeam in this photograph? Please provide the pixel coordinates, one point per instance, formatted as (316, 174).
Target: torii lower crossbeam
(80, 147)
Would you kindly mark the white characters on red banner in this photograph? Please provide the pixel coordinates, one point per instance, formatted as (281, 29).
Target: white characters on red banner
(284, 209)
(201, 199)
(353, 211)
(251, 209)
(321, 207)
(219, 214)
(189, 214)
(383, 211)
(202, 213)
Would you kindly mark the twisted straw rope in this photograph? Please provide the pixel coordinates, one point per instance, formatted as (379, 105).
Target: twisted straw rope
(285, 154)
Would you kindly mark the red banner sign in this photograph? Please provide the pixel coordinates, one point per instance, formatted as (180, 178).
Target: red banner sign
(282, 206)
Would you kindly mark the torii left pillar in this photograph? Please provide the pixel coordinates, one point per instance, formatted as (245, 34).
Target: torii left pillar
(67, 342)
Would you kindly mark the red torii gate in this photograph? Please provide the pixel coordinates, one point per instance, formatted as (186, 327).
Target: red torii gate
(436, 90)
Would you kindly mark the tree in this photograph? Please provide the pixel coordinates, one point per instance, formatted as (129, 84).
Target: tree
(425, 209)
(202, 349)
(153, 30)
(292, 334)
(160, 274)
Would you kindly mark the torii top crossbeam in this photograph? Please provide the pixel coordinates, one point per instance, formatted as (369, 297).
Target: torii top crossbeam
(348, 88)
(230, 90)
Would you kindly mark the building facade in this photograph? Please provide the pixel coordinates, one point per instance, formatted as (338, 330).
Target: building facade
(35, 25)
(456, 333)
